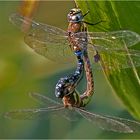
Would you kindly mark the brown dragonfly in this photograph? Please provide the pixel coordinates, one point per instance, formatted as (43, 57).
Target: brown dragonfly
(52, 42)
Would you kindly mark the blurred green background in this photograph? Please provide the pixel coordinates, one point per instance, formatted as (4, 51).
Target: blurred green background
(23, 71)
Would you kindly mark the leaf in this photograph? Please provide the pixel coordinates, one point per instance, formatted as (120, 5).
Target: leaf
(118, 15)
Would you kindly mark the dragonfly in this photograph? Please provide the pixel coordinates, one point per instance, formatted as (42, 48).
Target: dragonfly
(46, 40)
(52, 42)
(109, 123)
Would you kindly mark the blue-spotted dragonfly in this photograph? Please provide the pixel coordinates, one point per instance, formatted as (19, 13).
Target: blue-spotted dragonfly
(110, 123)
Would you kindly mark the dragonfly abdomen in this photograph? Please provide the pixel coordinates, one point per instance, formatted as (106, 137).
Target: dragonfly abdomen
(67, 84)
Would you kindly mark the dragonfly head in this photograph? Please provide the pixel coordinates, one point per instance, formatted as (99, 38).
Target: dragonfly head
(63, 87)
(75, 15)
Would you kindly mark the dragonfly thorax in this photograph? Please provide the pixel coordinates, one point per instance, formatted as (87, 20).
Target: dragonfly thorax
(75, 15)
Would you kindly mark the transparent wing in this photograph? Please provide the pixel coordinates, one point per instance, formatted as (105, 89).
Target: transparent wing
(115, 40)
(44, 39)
(44, 99)
(109, 123)
(31, 114)
(112, 45)
(119, 59)
(43, 113)
(133, 125)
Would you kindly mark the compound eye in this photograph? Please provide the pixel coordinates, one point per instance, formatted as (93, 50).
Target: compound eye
(78, 17)
(75, 18)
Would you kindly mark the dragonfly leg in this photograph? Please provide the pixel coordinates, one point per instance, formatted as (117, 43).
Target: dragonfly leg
(94, 23)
